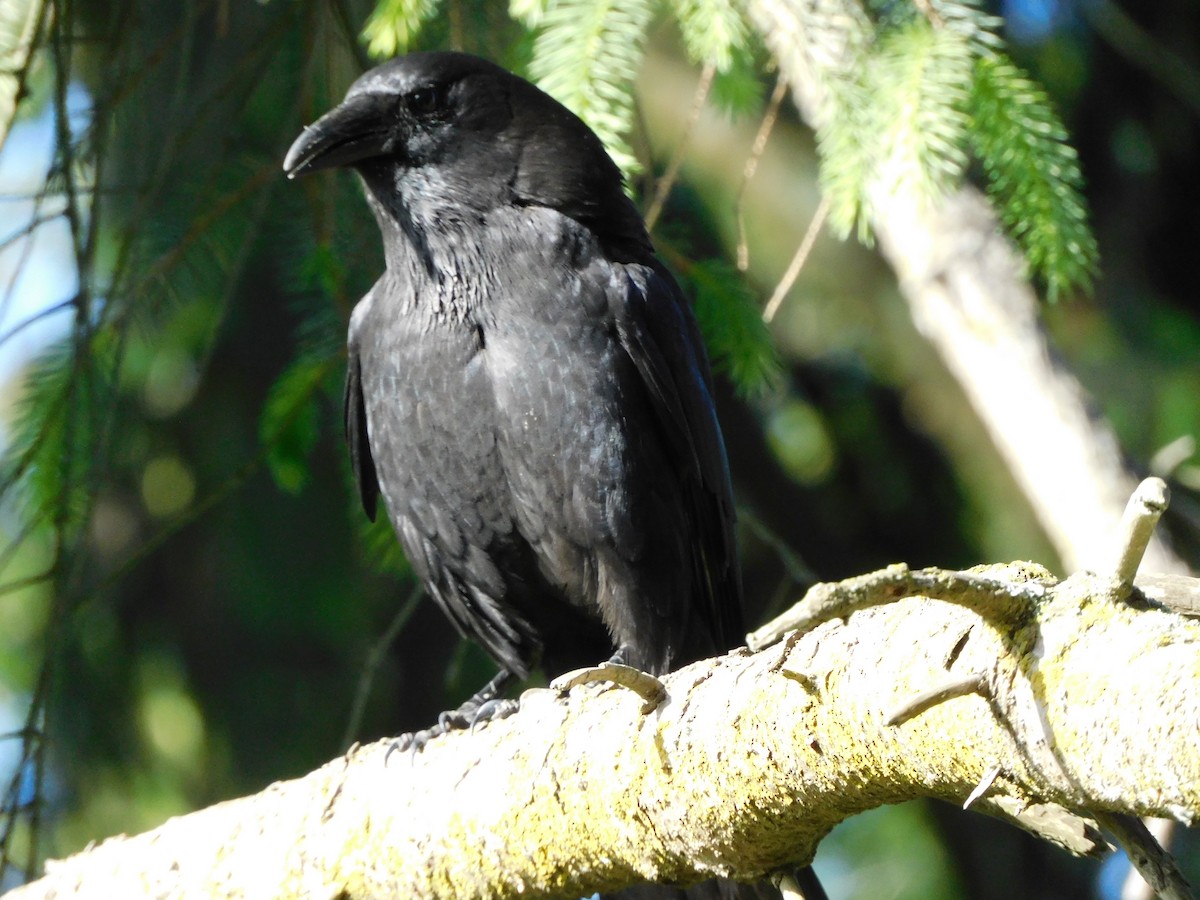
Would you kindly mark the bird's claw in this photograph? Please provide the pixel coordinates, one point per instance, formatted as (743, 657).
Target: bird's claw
(466, 718)
(493, 710)
(413, 742)
(645, 685)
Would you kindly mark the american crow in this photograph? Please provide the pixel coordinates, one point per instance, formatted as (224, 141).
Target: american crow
(527, 387)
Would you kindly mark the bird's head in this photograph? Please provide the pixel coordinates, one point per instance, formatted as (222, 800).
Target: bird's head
(452, 132)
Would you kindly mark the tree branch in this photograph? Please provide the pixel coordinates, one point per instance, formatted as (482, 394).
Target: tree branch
(967, 290)
(1082, 703)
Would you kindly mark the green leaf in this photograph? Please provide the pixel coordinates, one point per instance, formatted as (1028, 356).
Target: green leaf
(587, 56)
(733, 329)
(378, 540)
(1033, 174)
(323, 270)
(909, 107)
(528, 12)
(921, 81)
(394, 24)
(739, 91)
(847, 148)
(714, 31)
(897, 122)
(35, 440)
(60, 422)
(970, 21)
(289, 424)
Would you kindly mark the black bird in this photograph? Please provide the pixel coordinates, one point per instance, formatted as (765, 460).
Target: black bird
(527, 387)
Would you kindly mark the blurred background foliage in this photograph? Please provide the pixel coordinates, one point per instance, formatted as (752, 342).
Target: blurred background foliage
(191, 603)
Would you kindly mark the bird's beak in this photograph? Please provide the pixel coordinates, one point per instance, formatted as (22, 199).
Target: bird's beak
(355, 131)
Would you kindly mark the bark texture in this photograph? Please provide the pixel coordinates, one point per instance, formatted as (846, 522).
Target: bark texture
(1052, 702)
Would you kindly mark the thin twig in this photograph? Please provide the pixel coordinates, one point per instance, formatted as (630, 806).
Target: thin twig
(47, 312)
(375, 659)
(986, 594)
(663, 188)
(28, 581)
(75, 409)
(1156, 866)
(927, 10)
(1138, 46)
(975, 683)
(26, 254)
(457, 30)
(35, 222)
(799, 572)
(1142, 513)
(797, 263)
(770, 117)
(789, 888)
(1168, 459)
(985, 785)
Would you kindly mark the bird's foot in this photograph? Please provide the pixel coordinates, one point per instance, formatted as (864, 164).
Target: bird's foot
(645, 685)
(486, 706)
(488, 711)
(413, 741)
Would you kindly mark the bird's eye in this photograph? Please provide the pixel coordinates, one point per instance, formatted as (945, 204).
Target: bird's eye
(423, 101)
